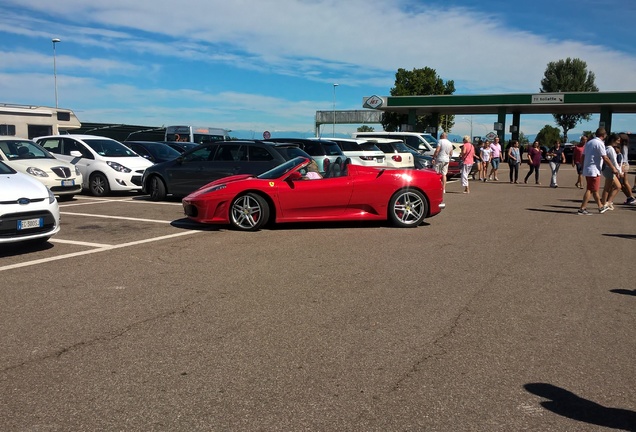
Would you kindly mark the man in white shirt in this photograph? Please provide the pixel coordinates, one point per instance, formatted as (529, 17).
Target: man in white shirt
(495, 160)
(441, 157)
(594, 154)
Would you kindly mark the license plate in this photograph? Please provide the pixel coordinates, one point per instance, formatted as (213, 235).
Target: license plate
(30, 223)
(68, 182)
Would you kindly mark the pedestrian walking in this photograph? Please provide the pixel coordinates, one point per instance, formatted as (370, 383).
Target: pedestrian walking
(577, 154)
(594, 154)
(514, 160)
(486, 154)
(466, 157)
(623, 154)
(495, 160)
(441, 157)
(612, 182)
(556, 157)
(534, 160)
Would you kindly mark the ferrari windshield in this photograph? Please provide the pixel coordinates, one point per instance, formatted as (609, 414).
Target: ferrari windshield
(283, 169)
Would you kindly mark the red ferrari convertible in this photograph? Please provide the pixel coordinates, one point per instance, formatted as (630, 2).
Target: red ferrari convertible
(346, 193)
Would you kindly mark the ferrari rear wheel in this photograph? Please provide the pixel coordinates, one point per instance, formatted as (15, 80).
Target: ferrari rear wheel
(407, 208)
(249, 212)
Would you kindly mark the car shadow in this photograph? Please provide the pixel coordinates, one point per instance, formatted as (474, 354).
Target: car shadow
(187, 224)
(166, 199)
(569, 405)
(23, 248)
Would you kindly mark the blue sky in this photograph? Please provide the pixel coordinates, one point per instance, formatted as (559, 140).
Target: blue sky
(256, 65)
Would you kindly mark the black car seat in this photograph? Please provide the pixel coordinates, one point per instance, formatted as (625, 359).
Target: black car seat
(345, 167)
(336, 167)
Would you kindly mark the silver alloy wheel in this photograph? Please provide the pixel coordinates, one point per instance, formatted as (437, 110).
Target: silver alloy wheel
(249, 212)
(408, 208)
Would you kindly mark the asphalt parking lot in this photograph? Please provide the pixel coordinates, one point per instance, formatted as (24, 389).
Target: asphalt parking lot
(505, 312)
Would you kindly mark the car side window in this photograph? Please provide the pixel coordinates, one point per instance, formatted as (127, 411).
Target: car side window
(201, 154)
(349, 146)
(227, 153)
(259, 154)
(69, 145)
(313, 149)
(53, 145)
(413, 141)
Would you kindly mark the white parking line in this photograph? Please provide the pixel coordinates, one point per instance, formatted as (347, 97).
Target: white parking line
(79, 243)
(115, 217)
(92, 251)
(92, 201)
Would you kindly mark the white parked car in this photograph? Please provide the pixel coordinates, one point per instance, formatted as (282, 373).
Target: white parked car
(361, 152)
(28, 209)
(398, 154)
(107, 165)
(25, 156)
(422, 142)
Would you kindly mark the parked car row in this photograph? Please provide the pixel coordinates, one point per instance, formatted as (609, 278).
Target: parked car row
(64, 165)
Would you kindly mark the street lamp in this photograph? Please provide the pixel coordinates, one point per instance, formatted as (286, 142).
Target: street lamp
(471, 127)
(55, 41)
(333, 133)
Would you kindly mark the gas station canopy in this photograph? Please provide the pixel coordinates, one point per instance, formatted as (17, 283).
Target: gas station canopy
(538, 103)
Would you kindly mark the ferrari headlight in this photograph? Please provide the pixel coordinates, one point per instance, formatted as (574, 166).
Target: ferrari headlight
(216, 188)
(36, 172)
(118, 167)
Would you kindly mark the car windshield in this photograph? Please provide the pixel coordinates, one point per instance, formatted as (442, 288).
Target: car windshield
(282, 169)
(110, 148)
(162, 150)
(23, 149)
(430, 139)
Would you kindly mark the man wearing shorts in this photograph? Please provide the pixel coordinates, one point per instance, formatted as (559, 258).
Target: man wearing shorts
(441, 157)
(495, 160)
(594, 155)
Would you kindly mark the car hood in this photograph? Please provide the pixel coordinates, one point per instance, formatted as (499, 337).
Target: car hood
(16, 186)
(134, 163)
(43, 164)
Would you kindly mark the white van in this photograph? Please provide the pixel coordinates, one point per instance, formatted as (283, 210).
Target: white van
(422, 142)
(106, 165)
(361, 152)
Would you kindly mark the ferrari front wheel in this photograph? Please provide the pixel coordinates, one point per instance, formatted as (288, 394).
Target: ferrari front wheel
(407, 208)
(249, 212)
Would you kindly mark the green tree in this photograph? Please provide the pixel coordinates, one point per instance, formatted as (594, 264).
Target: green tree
(548, 135)
(569, 75)
(414, 83)
(365, 128)
(523, 139)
